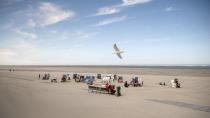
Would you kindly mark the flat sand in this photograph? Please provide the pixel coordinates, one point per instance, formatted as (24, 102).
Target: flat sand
(23, 95)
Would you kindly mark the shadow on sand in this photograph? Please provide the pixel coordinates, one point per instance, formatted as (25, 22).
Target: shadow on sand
(183, 104)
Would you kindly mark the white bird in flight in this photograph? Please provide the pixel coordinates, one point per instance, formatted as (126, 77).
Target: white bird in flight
(117, 51)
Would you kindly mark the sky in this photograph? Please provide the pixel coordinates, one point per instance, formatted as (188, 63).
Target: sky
(82, 32)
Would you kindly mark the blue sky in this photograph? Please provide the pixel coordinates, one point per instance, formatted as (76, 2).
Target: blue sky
(82, 32)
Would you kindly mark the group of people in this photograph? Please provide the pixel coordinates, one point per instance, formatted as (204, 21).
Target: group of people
(11, 70)
(174, 83)
(65, 78)
(45, 77)
(136, 82)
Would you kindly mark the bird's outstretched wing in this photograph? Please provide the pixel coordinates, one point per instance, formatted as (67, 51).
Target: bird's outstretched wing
(119, 55)
(115, 47)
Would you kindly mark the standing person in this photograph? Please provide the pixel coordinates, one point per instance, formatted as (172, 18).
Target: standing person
(126, 84)
(48, 76)
(39, 76)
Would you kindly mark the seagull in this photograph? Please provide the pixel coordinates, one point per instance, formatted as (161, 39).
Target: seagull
(117, 51)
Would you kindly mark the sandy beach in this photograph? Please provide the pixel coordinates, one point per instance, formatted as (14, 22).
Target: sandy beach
(23, 95)
(105, 59)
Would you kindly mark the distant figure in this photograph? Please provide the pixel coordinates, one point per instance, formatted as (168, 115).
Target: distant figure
(10, 70)
(39, 76)
(54, 80)
(120, 79)
(75, 76)
(46, 77)
(164, 84)
(63, 79)
(126, 84)
(115, 78)
(175, 83)
(98, 76)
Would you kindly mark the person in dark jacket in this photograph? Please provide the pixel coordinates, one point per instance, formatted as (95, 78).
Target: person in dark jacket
(126, 84)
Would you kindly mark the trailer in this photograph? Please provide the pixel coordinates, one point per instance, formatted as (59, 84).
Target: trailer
(102, 88)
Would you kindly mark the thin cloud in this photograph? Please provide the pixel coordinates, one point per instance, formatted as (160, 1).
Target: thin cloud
(77, 35)
(107, 10)
(110, 21)
(48, 14)
(134, 2)
(26, 35)
(117, 8)
(169, 9)
(4, 3)
(87, 35)
(31, 23)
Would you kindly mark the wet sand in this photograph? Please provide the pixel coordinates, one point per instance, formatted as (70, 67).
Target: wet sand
(23, 95)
